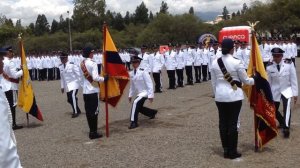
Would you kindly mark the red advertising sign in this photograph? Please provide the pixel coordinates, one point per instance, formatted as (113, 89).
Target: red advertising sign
(235, 33)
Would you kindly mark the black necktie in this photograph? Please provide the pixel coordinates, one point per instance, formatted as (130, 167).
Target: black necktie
(215, 52)
(278, 67)
(134, 71)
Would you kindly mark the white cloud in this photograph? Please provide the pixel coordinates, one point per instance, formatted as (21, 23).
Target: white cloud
(27, 10)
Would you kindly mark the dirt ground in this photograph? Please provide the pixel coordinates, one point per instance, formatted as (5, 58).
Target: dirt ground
(184, 134)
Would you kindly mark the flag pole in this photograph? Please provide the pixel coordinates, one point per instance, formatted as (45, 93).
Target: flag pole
(22, 62)
(253, 51)
(106, 83)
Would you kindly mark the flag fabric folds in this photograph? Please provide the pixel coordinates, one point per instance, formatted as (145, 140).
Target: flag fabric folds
(26, 99)
(261, 99)
(112, 65)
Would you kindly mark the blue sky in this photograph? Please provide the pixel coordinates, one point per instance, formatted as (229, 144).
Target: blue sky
(27, 10)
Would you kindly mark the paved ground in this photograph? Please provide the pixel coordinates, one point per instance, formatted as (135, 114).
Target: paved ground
(184, 134)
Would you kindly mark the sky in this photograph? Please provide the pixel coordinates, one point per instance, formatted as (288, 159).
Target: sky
(27, 10)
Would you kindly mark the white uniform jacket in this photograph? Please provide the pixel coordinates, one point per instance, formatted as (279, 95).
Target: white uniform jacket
(222, 88)
(147, 62)
(180, 59)
(8, 150)
(158, 62)
(11, 70)
(283, 82)
(198, 59)
(70, 76)
(189, 57)
(92, 69)
(170, 61)
(141, 84)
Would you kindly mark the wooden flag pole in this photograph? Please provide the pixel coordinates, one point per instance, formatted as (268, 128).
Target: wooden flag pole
(253, 52)
(106, 82)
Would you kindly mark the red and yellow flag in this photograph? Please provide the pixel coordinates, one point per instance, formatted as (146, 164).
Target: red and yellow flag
(26, 100)
(114, 67)
(261, 99)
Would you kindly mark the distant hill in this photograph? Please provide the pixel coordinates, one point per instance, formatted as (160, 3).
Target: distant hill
(207, 16)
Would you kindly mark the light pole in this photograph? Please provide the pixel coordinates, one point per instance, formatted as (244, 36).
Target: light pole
(69, 31)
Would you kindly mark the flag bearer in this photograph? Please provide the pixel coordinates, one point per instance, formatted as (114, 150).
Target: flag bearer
(70, 82)
(283, 81)
(140, 84)
(91, 91)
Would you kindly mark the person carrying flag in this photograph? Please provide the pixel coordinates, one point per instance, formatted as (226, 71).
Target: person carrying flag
(91, 81)
(228, 74)
(283, 81)
(70, 82)
(9, 82)
(142, 85)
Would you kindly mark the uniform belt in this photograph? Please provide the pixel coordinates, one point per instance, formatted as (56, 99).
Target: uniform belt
(5, 76)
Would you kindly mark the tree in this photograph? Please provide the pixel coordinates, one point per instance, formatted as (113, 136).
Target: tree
(225, 13)
(54, 26)
(9, 23)
(238, 13)
(245, 8)
(141, 14)
(118, 22)
(233, 14)
(88, 14)
(127, 18)
(164, 8)
(41, 25)
(30, 28)
(151, 16)
(19, 24)
(191, 11)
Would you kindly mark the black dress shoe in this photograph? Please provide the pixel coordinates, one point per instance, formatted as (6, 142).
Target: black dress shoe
(234, 155)
(15, 127)
(158, 91)
(133, 125)
(95, 135)
(286, 133)
(153, 116)
(75, 115)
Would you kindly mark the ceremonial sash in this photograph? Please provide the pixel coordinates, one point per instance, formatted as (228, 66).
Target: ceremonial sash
(5, 76)
(234, 84)
(87, 75)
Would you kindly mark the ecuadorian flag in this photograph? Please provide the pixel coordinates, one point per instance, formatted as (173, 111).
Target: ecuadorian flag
(261, 99)
(114, 67)
(26, 100)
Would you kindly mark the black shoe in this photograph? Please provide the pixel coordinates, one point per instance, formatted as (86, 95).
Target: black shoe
(234, 155)
(75, 115)
(15, 127)
(133, 125)
(286, 133)
(95, 135)
(158, 91)
(153, 116)
(226, 154)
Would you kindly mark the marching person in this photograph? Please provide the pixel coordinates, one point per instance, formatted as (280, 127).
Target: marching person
(228, 74)
(283, 81)
(10, 80)
(140, 84)
(8, 150)
(91, 90)
(170, 64)
(70, 82)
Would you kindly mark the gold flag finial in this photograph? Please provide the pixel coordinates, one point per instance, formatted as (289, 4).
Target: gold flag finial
(252, 25)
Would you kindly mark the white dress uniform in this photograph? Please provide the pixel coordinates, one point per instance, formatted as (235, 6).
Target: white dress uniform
(198, 60)
(189, 61)
(71, 81)
(91, 67)
(8, 150)
(147, 62)
(180, 67)
(158, 62)
(170, 64)
(246, 57)
(142, 86)
(284, 86)
(205, 63)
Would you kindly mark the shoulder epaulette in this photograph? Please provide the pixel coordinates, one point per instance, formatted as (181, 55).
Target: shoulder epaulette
(71, 62)
(235, 58)
(141, 69)
(288, 61)
(270, 63)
